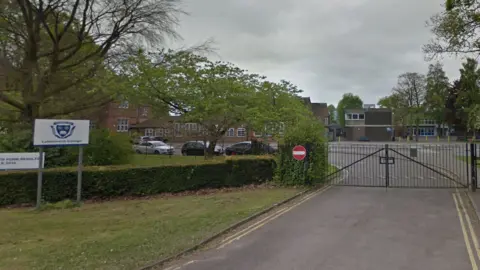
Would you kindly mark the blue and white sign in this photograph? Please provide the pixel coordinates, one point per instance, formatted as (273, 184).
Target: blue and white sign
(20, 161)
(52, 132)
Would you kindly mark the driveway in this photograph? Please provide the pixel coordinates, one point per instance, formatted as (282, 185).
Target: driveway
(349, 228)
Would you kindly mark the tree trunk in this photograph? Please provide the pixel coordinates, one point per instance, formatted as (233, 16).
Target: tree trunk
(210, 150)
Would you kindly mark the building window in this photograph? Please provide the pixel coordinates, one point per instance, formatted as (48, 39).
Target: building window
(149, 132)
(241, 132)
(159, 132)
(92, 125)
(122, 125)
(423, 131)
(231, 132)
(191, 126)
(355, 116)
(325, 121)
(123, 105)
(145, 111)
(178, 129)
(257, 134)
(427, 122)
(166, 132)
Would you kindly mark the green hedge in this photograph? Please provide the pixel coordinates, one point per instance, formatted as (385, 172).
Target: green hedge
(109, 182)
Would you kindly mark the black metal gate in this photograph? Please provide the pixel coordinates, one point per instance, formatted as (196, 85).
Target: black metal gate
(418, 165)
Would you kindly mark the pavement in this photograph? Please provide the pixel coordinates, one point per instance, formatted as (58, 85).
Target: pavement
(351, 228)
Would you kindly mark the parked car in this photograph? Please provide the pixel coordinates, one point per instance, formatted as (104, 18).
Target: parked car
(363, 139)
(153, 147)
(143, 139)
(246, 148)
(197, 148)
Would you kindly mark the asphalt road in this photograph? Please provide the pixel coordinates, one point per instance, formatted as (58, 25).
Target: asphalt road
(349, 228)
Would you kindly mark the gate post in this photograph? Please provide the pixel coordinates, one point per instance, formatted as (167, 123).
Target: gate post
(387, 164)
(473, 164)
(306, 164)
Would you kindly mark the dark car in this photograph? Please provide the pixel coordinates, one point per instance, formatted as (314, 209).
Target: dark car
(197, 148)
(249, 148)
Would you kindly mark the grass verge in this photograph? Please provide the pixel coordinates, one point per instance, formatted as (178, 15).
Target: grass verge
(122, 234)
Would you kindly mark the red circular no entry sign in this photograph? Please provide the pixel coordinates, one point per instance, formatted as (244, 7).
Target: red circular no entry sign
(299, 152)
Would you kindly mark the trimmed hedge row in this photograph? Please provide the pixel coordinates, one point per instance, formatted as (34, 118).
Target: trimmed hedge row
(108, 182)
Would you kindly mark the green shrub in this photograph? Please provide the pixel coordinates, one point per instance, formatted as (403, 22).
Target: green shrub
(112, 181)
(108, 148)
(292, 172)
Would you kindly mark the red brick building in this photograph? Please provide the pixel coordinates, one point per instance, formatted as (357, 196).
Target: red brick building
(120, 117)
(123, 117)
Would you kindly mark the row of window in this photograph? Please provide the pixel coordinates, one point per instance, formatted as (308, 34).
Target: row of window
(165, 132)
(423, 131)
(123, 126)
(354, 116)
(427, 122)
(125, 105)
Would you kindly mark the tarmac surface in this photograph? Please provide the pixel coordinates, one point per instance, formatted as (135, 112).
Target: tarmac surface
(427, 224)
(351, 228)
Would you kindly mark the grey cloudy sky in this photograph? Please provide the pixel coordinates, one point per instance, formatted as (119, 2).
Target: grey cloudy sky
(327, 48)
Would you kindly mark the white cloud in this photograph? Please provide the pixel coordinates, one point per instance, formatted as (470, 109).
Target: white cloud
(325, 47)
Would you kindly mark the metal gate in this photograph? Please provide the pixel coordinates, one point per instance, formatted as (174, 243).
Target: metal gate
(398, 165)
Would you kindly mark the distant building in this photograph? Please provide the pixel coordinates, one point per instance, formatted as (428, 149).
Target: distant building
(369, 106)
(372, 123)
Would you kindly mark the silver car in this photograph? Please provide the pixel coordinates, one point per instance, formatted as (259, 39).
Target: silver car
(154, 147)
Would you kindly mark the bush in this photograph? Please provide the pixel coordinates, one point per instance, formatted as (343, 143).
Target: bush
(105, 148)
(292, 172)
(109, 182)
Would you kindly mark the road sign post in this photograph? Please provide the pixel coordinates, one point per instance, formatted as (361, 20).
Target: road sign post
(52, 132)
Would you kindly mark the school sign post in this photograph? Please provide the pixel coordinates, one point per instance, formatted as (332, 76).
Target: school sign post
(51, 133)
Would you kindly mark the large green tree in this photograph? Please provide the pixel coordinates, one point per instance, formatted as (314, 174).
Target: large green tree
(58, 56)
(400, 114)
(217, 95)
(332, 111)
(436, 93)
(410, 91)
(469, 95)
(456, 29)
(348, 101)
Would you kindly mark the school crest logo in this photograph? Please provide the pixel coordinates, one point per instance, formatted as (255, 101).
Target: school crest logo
(63, 129)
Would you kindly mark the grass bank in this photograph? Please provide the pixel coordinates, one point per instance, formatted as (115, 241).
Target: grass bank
(122, 234)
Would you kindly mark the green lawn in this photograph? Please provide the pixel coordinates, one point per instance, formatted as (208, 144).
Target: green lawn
(122, 234)
(156, 160)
